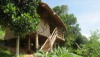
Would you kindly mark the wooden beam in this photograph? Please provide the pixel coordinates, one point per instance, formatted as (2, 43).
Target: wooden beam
(29, 43)
(37, 41)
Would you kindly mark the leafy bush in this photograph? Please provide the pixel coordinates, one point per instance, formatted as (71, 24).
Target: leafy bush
(2, 34)
(6, 53)
(92, 48)
(59, 52)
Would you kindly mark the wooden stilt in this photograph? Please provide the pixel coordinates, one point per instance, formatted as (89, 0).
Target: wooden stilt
(29, 43)
(37, 42)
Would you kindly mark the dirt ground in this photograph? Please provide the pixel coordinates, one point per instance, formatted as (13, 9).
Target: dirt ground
(28, 55)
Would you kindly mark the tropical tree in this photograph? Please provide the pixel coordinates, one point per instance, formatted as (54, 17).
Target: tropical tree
(72, 35)
(92, 48)
(20, 16)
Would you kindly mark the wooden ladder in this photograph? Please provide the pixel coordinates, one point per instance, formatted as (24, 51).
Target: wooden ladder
(47, 46)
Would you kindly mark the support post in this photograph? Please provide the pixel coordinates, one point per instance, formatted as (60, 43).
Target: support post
(37, 41)
(17, 46)
(29, 43)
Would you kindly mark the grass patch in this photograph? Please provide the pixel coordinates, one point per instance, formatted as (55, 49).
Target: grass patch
(2, 34)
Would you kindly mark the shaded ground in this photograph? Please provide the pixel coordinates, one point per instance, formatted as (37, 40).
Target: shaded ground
(9, 52)
(5, 52)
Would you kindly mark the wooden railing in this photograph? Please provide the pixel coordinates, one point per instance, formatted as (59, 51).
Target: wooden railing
(53, 36)
(47, 46)
(60, 34)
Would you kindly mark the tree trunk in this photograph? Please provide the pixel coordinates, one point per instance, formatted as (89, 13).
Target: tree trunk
(17, 46)
(37, 42)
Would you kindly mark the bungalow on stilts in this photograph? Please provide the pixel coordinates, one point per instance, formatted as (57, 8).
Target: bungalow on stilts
(48, 32)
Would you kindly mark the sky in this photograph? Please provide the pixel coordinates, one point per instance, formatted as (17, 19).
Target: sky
(86, 11)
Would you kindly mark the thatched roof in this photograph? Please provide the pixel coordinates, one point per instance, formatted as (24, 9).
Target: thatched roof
(52, 16)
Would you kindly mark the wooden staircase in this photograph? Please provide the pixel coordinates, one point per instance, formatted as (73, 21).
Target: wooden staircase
(47, 46)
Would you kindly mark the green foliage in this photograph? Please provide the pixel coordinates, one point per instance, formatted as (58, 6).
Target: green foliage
(6, 53)
(19, 15)
(59, 11)
(74, 40)
(62, 52)
(59, 52)
(92, 48)
(72, 35)
(1, 33)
